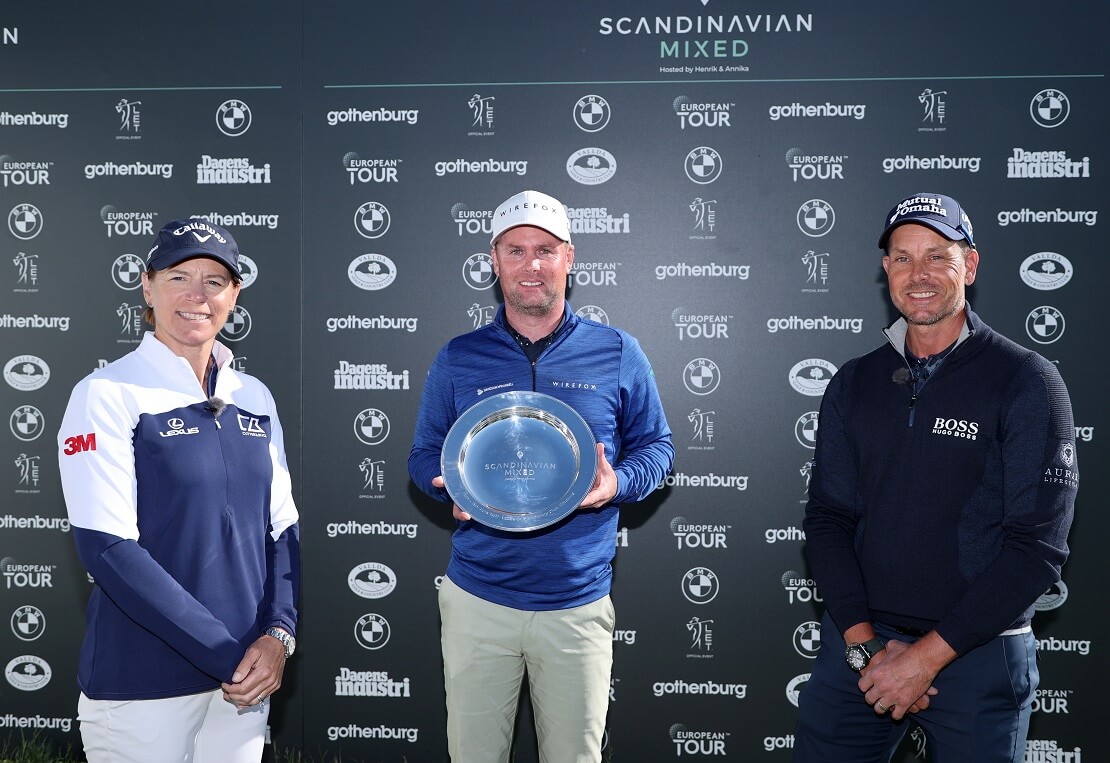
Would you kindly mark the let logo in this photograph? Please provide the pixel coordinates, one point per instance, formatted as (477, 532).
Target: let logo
(80, 443)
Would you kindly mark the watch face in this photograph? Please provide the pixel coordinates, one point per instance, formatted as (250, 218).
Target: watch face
(856, 657)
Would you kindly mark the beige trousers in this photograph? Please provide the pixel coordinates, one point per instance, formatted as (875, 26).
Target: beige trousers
(568, 655)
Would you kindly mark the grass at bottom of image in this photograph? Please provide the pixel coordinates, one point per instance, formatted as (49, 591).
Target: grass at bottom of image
(296, 756)
(34, 749)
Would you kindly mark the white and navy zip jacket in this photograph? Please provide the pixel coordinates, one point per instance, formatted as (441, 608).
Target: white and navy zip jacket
(942, 503)
(600, 372)
(183, 514)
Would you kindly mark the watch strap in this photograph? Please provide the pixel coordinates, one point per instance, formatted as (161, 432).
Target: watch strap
(285, 638)
(874, 646)
(858, 655)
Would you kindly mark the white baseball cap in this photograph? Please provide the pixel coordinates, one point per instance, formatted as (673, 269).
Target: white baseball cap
(531, 208)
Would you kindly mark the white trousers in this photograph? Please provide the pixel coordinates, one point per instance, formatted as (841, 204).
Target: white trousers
(568, 655)
(198, 728)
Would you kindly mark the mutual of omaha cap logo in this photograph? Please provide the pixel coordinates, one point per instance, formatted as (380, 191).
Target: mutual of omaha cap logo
(181, 240)
(531, 208)
(941, 213)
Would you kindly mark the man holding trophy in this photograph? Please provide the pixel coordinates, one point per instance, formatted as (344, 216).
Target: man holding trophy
(536, 427)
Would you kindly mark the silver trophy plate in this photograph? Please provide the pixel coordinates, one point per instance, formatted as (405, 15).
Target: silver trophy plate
(519, 461)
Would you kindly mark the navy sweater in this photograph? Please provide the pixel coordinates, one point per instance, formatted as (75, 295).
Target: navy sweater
(947, 508)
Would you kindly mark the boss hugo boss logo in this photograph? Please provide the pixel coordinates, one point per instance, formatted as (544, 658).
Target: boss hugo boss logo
(968, 430)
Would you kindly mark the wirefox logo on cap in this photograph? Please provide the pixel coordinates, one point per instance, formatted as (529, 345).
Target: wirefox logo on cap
(531, 208)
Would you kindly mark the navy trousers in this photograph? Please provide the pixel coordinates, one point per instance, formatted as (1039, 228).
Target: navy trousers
(980, 714)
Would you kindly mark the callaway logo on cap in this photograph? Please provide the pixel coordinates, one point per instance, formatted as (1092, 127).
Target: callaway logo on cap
(181, 240)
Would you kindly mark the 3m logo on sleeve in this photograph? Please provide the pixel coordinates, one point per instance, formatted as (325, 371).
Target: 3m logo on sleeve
(80, 443)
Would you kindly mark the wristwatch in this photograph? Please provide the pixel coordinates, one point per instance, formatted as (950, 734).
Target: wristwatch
(286, 640)
(859, 655)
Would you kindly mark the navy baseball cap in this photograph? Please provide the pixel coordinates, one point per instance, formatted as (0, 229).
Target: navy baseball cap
(937, 211)
(181, 240)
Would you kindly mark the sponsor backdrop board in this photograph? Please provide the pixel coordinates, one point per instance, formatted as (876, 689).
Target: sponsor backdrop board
(727, 167)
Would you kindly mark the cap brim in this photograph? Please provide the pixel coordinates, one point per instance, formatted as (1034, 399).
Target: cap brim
(507, 228)
(943, 229)
(191, 253)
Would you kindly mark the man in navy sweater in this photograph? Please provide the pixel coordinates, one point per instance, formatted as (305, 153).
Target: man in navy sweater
(538, 600)
(942, 493)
